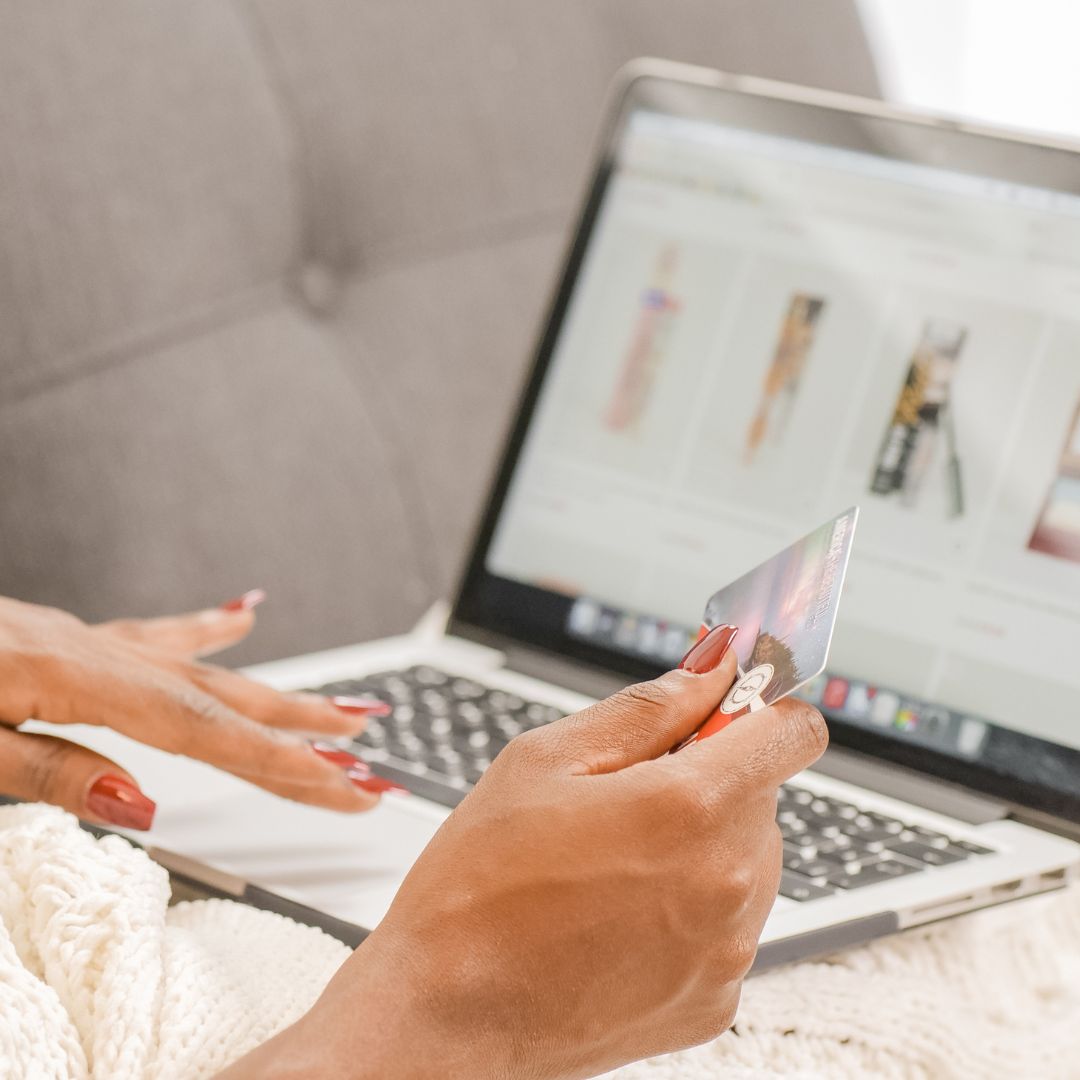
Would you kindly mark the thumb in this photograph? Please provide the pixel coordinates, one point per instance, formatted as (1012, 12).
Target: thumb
(43, 768)
(761, 750)
(647, 719)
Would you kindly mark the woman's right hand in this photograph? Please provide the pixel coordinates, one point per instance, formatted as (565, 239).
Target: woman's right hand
(595, 900)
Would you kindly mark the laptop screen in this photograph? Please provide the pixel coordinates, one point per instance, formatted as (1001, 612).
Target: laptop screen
(760, 330)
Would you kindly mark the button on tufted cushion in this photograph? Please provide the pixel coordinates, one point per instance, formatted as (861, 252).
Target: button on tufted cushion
(270, 273)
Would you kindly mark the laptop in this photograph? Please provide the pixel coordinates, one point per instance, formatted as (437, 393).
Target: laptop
(777, 303)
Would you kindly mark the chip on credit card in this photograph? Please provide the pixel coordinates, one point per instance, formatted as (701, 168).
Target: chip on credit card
(785, 611)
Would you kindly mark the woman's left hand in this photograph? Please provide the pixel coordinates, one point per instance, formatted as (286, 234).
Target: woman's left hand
(142, 677)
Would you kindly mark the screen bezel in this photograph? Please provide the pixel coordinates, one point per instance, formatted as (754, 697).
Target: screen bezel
(497, 611)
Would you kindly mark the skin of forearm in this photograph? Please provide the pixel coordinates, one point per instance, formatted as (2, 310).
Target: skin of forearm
(382, 1029)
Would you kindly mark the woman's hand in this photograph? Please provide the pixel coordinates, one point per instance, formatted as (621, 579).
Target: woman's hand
(595, 900)
(140, 677)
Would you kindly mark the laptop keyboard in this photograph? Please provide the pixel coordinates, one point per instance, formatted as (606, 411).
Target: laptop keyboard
(446, 729)
(831, 845)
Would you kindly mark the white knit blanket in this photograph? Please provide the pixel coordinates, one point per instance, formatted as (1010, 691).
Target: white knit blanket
(98, 978)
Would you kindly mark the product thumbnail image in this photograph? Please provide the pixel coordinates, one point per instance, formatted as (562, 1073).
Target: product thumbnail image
(922, 429)
(1057, 532)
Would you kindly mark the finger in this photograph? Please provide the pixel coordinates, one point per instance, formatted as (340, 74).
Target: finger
(759, 749)
(197, 633)
(647, 719)
(162, 709)
(343, 795)
(42, 768)
(297, 711)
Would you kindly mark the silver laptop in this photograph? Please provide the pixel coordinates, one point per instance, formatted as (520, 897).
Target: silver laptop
(778, 303)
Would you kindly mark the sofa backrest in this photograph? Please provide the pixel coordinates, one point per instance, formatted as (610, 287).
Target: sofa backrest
(269, 274)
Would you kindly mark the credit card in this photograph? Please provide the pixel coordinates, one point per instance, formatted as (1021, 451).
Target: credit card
(785, 611)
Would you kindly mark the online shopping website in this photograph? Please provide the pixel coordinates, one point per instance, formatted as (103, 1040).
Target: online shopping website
(765, 332)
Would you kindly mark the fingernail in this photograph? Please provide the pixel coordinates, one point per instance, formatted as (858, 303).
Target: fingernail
(251, 599)
(377, 785)
(120, 802)
(336, 756)
(362, 706)
(706, 654)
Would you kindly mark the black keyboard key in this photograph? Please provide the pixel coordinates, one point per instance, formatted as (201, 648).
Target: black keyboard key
(845, 856)
(479, 740)
(443, 759)
(859, 835)
(931, 856)
(825, 828)
(836, 845)
(428, 676)
(864, 845)
(793, 830)
(506, 724)
(798, 888)
(972, 848)
(871, 874)
(436, 728)
(813, 869)
(801, 846)
(406, 752)
(928, 836)
(467, 690)
(468, 712)
(889, 824)
(536, 715)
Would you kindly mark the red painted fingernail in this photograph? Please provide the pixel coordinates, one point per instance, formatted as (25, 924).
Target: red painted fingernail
(362, 706)
(377, 785)
(251, 599)
(119, 802)
(706, 654)
(336, 756)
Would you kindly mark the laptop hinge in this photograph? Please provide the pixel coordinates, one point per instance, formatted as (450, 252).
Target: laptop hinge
(571, 674)
(897, 782)
(1039, 820)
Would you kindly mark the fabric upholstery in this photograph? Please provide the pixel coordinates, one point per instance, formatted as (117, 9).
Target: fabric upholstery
(430, 123)
(270, 275)
(257, 440)
(145, 178)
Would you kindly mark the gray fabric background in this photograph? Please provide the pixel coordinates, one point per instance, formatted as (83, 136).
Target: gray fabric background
(270, 273)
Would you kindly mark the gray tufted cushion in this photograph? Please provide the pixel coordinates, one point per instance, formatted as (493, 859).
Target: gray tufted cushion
(270, 272)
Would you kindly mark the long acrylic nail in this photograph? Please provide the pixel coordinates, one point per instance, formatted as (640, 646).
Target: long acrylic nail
(251, 599)
(337, 756)
(118, 801)
(376, 785)
(361, 706)
(706, 654)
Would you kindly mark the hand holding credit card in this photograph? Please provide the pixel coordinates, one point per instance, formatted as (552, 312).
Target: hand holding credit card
(779, 619)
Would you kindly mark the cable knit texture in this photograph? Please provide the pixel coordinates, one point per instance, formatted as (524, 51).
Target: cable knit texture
(100, 978)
